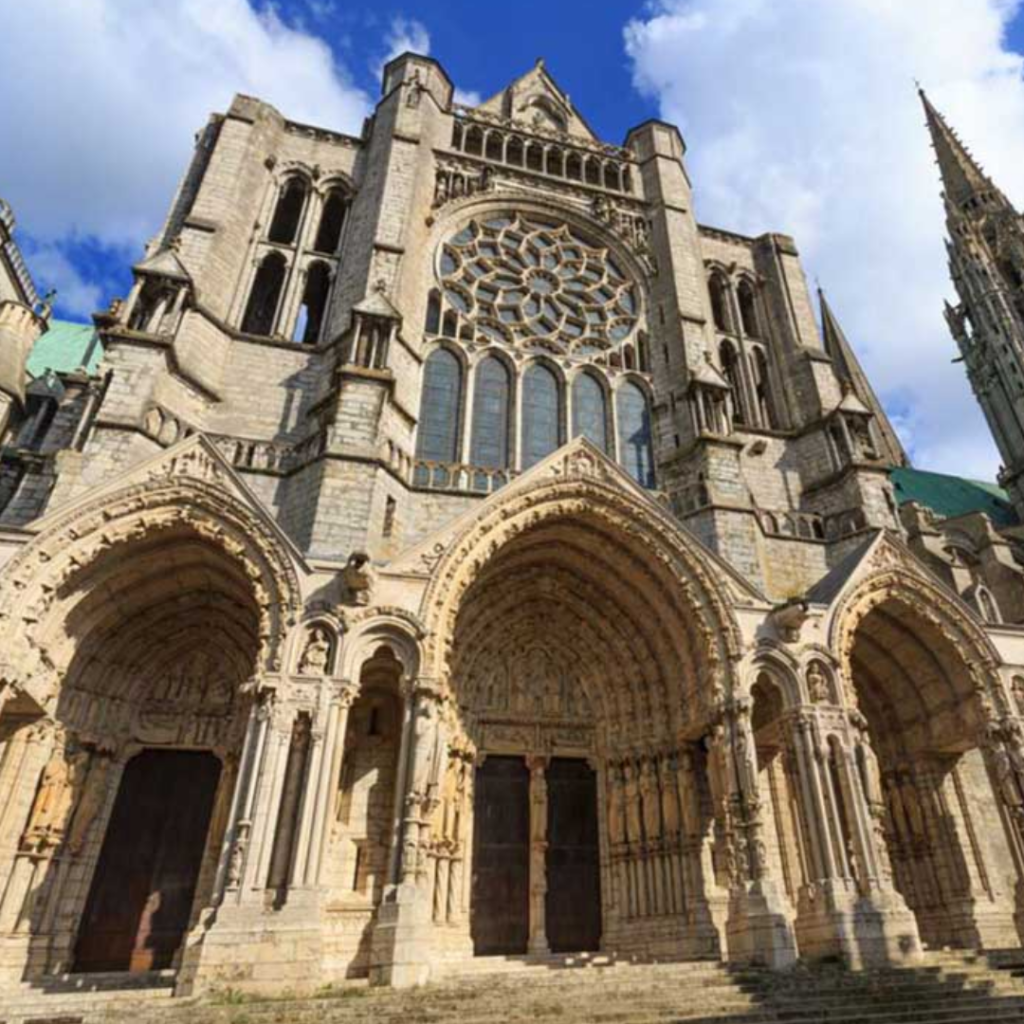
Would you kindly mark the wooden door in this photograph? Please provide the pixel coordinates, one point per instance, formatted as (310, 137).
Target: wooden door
(500, 921)
(145, 881)
(573, 904)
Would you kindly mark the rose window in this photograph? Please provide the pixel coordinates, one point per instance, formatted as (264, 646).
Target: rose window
(537, 285)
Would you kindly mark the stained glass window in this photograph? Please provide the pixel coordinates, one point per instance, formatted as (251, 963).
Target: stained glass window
(490, 415)
(589, 412)
(635, 434)
(542, 414)
(441, 408)
(537, 285)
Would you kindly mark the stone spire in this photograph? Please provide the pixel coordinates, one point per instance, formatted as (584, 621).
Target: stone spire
(962, 177)
(852, 376)
(986, 262)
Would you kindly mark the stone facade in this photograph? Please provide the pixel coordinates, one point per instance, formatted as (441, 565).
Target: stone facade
(457, 523)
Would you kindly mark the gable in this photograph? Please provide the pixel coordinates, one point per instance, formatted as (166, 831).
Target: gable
(537, 103)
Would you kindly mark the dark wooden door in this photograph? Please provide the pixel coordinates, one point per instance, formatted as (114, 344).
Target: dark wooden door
(501, 857)
(141, 895)
(573, 905)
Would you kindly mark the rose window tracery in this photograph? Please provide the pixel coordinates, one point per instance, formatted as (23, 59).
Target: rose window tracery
(537, 285)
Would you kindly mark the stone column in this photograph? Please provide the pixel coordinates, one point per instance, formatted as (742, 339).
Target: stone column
(758, 928)
(538, 766)
(324, 788)
(1003, 749)
(400, 946)
(239, 855)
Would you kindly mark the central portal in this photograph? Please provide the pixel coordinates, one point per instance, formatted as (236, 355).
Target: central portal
(502, 883)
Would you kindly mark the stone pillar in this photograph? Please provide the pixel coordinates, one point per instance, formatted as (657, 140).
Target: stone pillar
(1003, 749)
(237, 853)
(538, 766)
(321, 787)
(844, 910)
(758, 930)
(400, 946)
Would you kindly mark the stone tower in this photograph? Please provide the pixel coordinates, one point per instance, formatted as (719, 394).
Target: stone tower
(986, 261)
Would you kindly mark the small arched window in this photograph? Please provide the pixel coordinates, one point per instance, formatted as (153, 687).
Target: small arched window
(285, 224)
(719, 301)
(748, 309)
(440, 408)
(489, 444)
(635, 434)
(574, 167)
(589, 411)
(514, 152)
(731, 372)
(261, 311)
(314, 304)
(433, 322)
(542, 414)
(332, 220)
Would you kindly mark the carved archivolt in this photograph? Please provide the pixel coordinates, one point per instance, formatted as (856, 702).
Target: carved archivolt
(925, 600)
(584, 487)
(37, 583)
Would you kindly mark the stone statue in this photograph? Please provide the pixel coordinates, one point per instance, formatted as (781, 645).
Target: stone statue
(317, 653)
(817, 683)
(61, 782)
(358, 577)
(94, 792)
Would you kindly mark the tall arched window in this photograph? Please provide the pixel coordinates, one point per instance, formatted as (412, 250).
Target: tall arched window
(762, 386)
(719, 301)
(635, 434)
(589, 412)
(261, 311)
(489, 444)
(440, 408)
(285, 223)
(731, 371)
(314, 303)
(748, 309)
(332, 220)
(542, 414)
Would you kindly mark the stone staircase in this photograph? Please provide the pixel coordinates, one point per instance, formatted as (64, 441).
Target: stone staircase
(947, 988)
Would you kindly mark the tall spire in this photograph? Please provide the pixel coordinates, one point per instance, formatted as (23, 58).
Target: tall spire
(962, 177)
(852, 375)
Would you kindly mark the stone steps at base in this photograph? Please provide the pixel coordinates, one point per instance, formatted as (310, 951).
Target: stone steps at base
(948, 988)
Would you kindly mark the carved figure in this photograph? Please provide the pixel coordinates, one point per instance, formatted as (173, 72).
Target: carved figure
(817, 683)
(315, 658)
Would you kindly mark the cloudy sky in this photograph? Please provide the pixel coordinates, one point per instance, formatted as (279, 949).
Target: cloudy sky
(800, 116)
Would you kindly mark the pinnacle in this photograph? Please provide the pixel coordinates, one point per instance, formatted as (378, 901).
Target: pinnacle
(962, 176)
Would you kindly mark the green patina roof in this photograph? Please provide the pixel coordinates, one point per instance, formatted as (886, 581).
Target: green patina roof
(65, 348)
(950, 496)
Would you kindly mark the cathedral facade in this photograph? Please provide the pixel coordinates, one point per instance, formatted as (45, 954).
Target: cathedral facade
(462, 550)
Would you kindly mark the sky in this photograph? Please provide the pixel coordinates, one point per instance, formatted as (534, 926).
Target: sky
(800, 116)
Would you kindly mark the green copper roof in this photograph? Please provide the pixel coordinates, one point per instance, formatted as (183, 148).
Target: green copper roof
(65, 347)
(950, 496)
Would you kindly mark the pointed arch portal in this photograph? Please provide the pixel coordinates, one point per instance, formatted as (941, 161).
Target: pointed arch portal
(574, 661)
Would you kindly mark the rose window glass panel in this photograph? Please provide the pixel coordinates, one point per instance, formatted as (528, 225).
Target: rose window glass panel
(538, 286)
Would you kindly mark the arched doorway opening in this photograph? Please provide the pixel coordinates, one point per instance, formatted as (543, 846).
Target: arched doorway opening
(576, 662)
(948, 851)
(155, 641)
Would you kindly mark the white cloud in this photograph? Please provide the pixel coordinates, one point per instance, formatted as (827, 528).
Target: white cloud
(94, 142)
(76, 296)
(468, 97)
(802, 118)
(404, 35)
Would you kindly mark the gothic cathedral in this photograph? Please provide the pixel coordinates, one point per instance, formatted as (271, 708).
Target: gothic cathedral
(452, 547)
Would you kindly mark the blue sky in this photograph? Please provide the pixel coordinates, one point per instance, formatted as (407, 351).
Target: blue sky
(800, 116)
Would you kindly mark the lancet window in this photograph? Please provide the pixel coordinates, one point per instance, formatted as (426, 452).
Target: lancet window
(295, 262)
